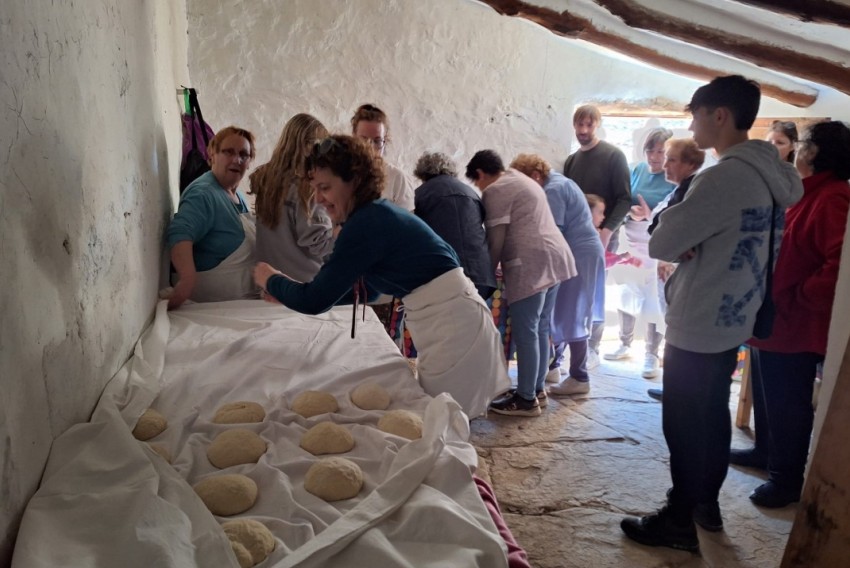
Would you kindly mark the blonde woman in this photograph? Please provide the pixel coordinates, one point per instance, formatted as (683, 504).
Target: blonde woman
(293, 233)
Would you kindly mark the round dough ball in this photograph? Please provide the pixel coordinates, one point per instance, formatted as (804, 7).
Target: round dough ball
(334, 479)
(313, 403)
(234, 447)
(370, 396)
(243, 557)
(253, 535)
(241, 412)
(401, 423)
(162, 451)
(227, 494)
(150, 425)
(327, 438)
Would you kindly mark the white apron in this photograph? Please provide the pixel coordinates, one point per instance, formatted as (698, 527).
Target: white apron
(640, 286)
(459, 348)
(233, 278)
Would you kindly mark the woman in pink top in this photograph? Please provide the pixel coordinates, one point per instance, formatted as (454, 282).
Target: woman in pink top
(535, 258)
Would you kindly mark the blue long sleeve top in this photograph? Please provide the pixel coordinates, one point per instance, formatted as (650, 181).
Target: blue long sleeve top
(390, 248)
(571, 213)
(207, 217)
(652, 187)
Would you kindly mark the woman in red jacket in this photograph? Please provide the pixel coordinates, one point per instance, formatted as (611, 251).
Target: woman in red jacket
(804, 280)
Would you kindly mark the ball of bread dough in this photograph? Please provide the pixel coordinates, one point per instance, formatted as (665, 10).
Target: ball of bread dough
(162, 451)
(253, 535)
(401, 423)
(243, 557)
(327, 438)
(234, 447)
(151, 424)
(227, 494)
(313, 403)
(370, 396)
(334, 479)
(241, 412)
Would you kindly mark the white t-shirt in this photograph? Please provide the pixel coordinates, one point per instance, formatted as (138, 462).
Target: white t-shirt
(398, 187)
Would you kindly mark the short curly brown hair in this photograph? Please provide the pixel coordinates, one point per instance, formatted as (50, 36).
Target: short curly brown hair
(530, 163)
(352, 160)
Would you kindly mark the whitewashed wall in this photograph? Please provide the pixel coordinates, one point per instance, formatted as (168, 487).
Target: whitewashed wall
(89, 143)
(453, 75)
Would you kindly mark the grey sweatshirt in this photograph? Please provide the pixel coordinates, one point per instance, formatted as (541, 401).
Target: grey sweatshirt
(298, 245)
(725, 217)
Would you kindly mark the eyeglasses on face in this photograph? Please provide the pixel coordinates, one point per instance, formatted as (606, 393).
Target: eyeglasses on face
(231, 153)
(377, 143)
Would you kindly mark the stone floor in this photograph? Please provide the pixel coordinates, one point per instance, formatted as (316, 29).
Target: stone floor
(565, 479)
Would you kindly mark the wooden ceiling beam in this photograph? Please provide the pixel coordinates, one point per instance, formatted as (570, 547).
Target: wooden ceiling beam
(818, 11)
(577, 27)
(765, 55)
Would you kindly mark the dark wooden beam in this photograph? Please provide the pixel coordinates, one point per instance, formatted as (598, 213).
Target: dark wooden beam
(763, 54)
(577, 27)
(819, 11)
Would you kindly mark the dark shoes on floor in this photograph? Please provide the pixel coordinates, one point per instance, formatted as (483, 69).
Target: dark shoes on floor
(657, 394)
(707, 515)
(514, 405)
(772, 496)
(748, 458)
(662, 529)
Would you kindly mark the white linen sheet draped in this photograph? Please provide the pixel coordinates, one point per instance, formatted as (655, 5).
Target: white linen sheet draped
(106, 499)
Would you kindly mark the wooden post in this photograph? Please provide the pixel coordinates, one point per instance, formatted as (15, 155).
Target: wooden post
(745, 397)
(821, 532)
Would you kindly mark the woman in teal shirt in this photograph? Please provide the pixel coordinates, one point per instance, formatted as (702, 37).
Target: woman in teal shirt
(383, 249)
(212, 235)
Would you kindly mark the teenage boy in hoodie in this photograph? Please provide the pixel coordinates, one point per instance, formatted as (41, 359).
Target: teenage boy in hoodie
(719, 236)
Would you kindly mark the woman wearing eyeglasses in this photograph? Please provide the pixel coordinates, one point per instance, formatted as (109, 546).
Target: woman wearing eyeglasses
(293, 233)
(383, 249)
(212, 235)
(804, 279)
(371, 125)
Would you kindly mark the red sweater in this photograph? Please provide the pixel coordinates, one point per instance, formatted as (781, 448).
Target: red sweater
(807, 267)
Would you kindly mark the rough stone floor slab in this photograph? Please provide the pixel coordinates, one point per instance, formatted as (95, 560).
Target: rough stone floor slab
(566, 479)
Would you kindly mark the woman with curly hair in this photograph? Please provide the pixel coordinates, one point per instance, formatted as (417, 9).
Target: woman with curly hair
(384, 249)
(292, 232)
(456, 213)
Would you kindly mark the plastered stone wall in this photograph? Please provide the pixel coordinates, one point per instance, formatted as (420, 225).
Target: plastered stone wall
(453, 75)
(89, 147)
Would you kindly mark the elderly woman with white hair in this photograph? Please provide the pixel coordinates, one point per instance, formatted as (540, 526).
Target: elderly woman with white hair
(455, 212)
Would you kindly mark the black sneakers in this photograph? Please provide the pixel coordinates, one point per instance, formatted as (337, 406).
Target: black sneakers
(514, 405)
(707, 515)
(661, 529)
(773, 496)
(748, 458)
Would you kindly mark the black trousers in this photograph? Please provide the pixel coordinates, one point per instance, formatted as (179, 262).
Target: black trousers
(697, 424)
(783, 384)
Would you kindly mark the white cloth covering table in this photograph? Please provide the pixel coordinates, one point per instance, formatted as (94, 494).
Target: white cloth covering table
(106, 499)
